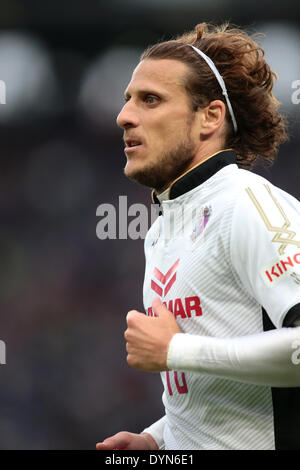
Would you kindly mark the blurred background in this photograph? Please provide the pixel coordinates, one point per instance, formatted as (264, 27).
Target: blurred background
(64, 293)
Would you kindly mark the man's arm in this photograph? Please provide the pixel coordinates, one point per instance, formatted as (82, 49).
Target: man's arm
(269, 358)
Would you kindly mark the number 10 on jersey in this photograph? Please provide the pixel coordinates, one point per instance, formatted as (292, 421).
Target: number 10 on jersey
(180, 383)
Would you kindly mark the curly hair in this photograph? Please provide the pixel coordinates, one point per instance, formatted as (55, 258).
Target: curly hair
(249, 81)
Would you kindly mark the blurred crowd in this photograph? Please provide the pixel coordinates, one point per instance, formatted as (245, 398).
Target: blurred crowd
(64, 294)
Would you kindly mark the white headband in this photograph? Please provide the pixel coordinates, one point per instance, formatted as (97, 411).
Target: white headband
(221, 83)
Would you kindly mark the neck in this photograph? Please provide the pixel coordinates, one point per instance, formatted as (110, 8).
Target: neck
(206, 151)
(197, 175)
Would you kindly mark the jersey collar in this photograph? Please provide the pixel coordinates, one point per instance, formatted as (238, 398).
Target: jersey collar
(197, 174)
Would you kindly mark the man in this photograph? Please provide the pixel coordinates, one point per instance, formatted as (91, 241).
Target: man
(223, 258)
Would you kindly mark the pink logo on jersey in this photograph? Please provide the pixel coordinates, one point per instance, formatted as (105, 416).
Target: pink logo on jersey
(201, 222)
(163, 278)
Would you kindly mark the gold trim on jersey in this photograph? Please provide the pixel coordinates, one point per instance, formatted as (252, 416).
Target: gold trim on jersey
(290, 234)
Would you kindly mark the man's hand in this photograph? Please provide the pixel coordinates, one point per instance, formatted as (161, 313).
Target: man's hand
(128, 441)
(148, 338)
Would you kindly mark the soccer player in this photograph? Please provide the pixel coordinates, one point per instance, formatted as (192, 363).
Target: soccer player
(222, 279)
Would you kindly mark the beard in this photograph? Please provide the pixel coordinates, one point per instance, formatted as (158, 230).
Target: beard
(170, 165)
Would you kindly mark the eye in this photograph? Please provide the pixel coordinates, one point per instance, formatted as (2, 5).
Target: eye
(150, 99)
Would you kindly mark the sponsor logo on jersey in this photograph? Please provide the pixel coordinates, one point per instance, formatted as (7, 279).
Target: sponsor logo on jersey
(164, 282)
(183, 308)
(281, 268)
(201, 222)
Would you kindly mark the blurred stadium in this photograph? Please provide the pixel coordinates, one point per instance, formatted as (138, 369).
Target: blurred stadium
(64, 293)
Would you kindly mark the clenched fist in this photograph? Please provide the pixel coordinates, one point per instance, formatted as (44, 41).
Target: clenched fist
(148, 338)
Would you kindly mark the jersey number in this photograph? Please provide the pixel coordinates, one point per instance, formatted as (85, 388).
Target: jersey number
(181, 388)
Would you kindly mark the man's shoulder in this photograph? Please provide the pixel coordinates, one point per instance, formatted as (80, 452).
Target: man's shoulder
(248, 197)
(230, 193)
(231, 182)
(260, 206)
(242, 178)
(249, 186)
(243, 185)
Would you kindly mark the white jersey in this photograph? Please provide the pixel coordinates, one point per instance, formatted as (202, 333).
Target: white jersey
(224, 256)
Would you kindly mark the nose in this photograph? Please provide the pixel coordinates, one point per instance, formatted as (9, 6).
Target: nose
(127, 116)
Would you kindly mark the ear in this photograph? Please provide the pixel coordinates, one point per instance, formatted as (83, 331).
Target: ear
(213, 116)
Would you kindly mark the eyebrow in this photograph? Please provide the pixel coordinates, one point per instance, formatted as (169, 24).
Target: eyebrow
(147, 91)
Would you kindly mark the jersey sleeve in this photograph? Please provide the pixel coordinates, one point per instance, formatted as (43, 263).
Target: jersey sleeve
(265, 249)
(156, 430)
